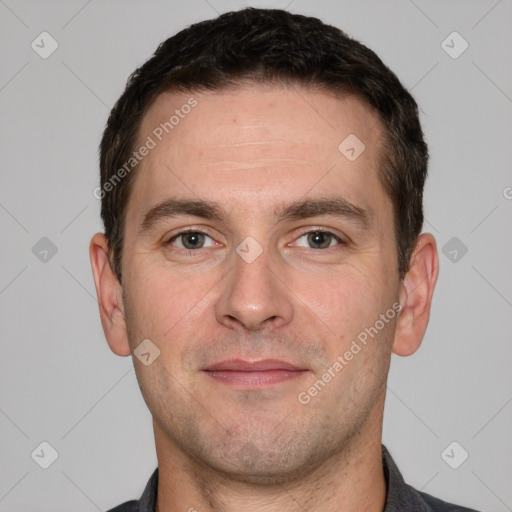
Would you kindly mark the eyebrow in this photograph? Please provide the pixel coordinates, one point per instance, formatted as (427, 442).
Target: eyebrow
(178, 207)
(330, 206)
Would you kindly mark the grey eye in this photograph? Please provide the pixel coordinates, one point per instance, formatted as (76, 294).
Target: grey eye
(320, 239)
(192, 240)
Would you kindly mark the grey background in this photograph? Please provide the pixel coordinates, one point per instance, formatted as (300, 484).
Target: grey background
(60, 383)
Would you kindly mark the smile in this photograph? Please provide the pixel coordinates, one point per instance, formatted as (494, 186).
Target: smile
(254, 375)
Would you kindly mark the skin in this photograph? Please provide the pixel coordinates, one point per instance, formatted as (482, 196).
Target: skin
(253, 149)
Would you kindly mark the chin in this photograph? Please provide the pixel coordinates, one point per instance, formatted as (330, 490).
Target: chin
(263, 466)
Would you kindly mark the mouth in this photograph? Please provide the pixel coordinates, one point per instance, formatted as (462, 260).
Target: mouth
(246, 375)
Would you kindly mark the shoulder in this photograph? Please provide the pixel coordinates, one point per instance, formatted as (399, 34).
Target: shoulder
(147, 502)
(128, 506)
(437, 505)
(403, 497)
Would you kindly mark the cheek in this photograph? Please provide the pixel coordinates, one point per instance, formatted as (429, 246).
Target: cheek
(344, 307)
(343, 300)
(165, 302)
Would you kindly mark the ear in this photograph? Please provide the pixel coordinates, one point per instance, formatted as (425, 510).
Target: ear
(110, 299)
(416, 296)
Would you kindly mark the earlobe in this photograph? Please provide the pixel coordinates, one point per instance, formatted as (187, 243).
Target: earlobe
(110, 297)
(416, 296)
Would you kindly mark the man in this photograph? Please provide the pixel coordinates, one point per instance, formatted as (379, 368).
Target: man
(261, 184)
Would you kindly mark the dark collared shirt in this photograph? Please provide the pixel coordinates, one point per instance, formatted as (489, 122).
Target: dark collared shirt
(400, 496)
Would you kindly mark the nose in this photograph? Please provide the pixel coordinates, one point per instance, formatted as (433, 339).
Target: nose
(255, 295)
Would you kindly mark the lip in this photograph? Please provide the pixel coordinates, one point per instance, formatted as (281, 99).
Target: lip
(254, 366)
(246, 375)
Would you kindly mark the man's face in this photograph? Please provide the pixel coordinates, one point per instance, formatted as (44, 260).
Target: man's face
(256, 153)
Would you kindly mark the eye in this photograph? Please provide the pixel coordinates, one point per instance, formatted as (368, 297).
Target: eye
(318, 240)
(191, 240)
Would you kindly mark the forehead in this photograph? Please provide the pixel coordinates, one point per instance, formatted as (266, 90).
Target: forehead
(259, 143)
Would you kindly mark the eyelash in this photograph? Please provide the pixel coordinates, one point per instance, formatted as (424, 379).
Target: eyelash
(189, 251)
(185, 232)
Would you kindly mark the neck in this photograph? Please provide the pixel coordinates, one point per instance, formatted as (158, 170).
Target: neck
(349, 480)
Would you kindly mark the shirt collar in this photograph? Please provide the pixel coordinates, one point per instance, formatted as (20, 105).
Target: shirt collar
(399, 495)
(147, 502)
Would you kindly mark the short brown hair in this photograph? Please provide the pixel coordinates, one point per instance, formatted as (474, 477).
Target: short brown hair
(271, 45)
